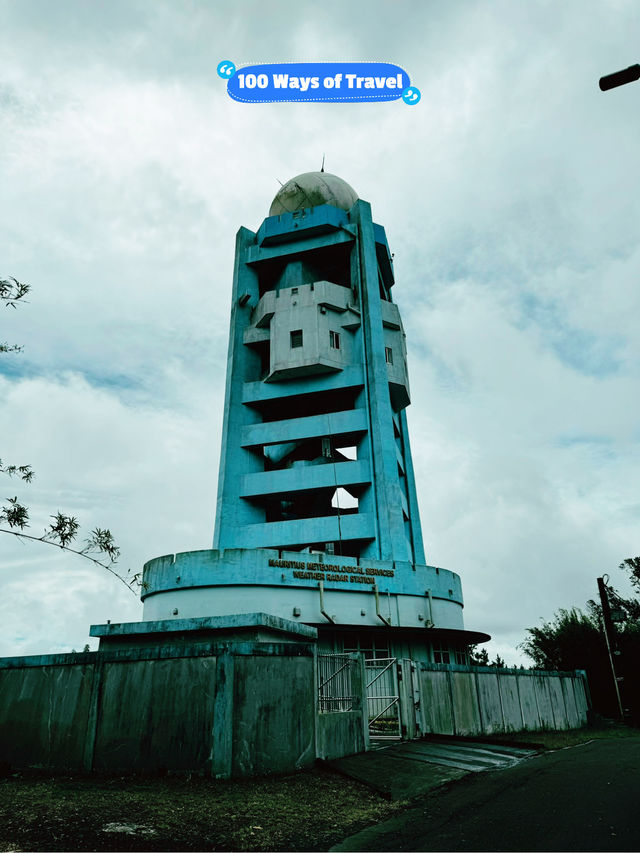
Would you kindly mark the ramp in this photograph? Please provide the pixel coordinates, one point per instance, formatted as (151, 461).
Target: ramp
(473, 756)
(407, 770)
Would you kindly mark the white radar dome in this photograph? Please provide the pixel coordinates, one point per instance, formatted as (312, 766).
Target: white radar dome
(312, 189)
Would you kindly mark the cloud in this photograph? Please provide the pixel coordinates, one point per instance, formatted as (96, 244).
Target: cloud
(146, 473)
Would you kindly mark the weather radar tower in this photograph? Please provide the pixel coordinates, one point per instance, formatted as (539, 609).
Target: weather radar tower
(317, 518)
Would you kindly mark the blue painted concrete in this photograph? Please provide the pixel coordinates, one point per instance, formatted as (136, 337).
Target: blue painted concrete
(316, 366)
(383, 473)
(274, 568)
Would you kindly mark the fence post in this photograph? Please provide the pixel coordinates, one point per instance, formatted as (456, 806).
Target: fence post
(420, 669)
(452, 701)
(584, 682)
(405, 697)
(518, 677)
(316, 699)
(360, 690)
(476, 684)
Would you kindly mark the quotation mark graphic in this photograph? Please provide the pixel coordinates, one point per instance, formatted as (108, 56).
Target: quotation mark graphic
(226, 69)
(411, 95)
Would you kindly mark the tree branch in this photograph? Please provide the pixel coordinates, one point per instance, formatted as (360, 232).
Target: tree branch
(12, 290)
(25, 472)
(21, 535)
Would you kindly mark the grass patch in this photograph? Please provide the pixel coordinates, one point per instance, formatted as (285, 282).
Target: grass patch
(308, 810)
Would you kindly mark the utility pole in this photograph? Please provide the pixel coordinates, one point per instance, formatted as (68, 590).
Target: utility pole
(610, 636)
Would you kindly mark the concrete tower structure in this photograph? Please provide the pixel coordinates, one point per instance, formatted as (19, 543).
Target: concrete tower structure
(317, 516)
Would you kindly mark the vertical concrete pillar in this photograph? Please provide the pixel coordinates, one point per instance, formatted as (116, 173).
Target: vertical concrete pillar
(231, 511)
(476, 687)
(359, 688)
(452, 704)
(412, 495)
(316, 702)
(407, 704)
(391, 541)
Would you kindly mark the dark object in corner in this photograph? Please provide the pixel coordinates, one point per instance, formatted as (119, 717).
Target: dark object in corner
(619, 78)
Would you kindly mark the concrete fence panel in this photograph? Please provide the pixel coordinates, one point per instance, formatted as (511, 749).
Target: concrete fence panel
(43, 715)
(574, 720)
(466, 712)
(435, 702)
(557, 703)
(510, 698)
(528, 703)
(339, 733)
(155, 714)
(490, 702)
(544, 700)
(273, 715)
(581, 697)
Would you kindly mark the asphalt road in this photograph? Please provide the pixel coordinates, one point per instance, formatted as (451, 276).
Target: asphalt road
(582, 798)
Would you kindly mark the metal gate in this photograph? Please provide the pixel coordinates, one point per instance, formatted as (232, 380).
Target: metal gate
(383, 698)
(335, 682)
(392, 690)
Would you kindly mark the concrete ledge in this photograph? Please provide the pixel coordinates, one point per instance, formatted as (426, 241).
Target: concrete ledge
(236, 623)
(161, 652)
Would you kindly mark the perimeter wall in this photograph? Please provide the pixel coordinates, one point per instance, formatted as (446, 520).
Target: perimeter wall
(235, 709)
(475, 700)
(246, 708)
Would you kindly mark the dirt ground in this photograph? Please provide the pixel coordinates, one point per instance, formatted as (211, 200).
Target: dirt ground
(308, 810)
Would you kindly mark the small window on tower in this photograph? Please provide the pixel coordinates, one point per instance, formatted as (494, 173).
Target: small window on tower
(296, 338)
(334, 340)
(294, 290)
(388, 355)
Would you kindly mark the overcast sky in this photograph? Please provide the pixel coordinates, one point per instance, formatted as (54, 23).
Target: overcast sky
(511, 199)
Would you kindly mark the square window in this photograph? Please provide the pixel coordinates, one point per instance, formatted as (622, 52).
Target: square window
(294, 290)
(388, 355)
(296, 338)
(334, 340)
(441, 655)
